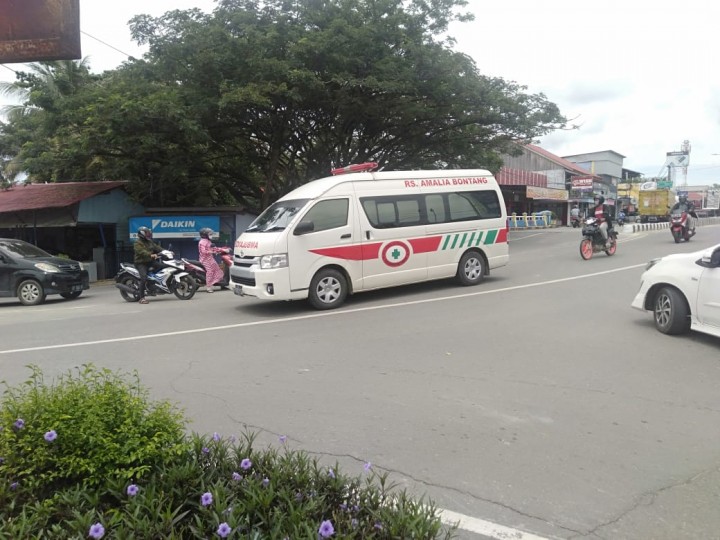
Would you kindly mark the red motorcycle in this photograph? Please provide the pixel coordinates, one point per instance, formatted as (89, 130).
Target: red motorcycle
(680, 227)
(197, 270)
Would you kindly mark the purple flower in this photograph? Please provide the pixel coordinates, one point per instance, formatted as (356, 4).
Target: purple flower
(19, 423)
(223, 530)
(233, 438)
(216, 436)
(2, 460)
(13, 486)
(236, 476)
(266, 482)
(354, 523)
(50, 436)
(368, 466)
(283, 438)
(205, 450)
(206, 499)
(331, 473)
(326, 529)
(245, 464)
(378, 526)
(96, 531)
(132, 490)
(343, 506)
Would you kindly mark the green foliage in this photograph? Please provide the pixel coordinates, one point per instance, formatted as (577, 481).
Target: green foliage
(274, 493)
(104, 427)
(245, 104)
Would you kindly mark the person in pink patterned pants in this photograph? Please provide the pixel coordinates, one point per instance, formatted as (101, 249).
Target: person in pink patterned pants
(213, 272)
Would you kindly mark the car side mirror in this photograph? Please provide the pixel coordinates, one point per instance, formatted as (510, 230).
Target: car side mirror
(304, 227)
(710, 259)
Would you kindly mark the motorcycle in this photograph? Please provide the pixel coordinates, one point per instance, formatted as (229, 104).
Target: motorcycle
(680, 228)
(170, 279)
(575, 221)
(621, 221)
(197, 270)
(593, 242)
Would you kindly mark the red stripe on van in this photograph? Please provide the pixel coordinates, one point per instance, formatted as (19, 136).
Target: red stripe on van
(358, 252)
(425, 245)
(502, 236)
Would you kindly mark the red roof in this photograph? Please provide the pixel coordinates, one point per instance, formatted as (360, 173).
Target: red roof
(56, 195)
(557, 159)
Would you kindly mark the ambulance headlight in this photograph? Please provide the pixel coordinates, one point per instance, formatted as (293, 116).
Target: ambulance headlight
(276, 260)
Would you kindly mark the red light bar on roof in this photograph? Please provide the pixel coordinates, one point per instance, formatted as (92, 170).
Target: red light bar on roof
(358, 167)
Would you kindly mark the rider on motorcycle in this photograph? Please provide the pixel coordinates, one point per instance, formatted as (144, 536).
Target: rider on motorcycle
(575, 214)
(145, 253)
(599, 211)
(683, 205)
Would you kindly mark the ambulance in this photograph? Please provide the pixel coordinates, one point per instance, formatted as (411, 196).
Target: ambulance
(360, 230)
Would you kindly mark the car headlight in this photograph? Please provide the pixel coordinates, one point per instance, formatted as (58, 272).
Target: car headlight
(652, 263)
(276, 260)
(45, 267)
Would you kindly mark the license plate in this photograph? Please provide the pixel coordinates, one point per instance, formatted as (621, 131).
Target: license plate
(238, 290)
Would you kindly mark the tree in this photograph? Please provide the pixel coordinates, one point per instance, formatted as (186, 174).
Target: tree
(246, 103)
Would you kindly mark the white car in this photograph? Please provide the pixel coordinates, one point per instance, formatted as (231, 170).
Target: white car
(683, 292)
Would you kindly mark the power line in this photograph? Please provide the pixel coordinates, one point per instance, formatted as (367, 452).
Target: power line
(107, 44)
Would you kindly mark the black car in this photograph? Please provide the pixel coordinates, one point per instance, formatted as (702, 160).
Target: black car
(30, 273)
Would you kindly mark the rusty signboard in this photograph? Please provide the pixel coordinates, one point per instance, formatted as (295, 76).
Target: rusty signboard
(35, 30)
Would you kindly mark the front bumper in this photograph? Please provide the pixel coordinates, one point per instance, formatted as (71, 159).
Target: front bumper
(60, 282)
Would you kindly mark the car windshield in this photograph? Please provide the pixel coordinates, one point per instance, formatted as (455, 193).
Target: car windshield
(277, 216)
(22, 249)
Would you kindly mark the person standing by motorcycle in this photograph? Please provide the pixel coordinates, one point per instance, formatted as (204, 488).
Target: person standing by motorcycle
(575, 215)
(599, 211)
(145, 253)
(213, 272)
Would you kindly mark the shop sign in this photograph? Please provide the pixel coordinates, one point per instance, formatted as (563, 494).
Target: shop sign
(174, 226)
(534, 192)
(582, 183)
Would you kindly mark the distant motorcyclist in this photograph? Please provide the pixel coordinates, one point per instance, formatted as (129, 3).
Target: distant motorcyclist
(145, 253)
(600, 212)
(684, 205)
(575, 214)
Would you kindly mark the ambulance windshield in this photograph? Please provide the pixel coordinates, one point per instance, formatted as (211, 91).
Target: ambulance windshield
(277, 216)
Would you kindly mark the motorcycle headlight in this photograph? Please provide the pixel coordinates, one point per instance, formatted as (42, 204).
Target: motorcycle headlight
(652, 263)
(276, 260)
(45, 267)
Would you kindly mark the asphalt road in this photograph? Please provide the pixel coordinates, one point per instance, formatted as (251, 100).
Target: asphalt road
(538, 401)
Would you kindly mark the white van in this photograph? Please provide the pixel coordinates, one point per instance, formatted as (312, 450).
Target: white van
(361, 230)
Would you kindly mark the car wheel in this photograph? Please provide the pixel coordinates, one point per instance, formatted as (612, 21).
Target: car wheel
(671, 311)
(471, 268)
(71, 295)
(328, 289)
(30, 293)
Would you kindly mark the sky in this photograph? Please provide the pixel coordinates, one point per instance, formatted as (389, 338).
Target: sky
(638, 78)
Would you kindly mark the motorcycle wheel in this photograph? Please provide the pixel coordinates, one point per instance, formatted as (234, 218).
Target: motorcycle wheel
(612, 249)
(132, 283)
(185, 289)
(586, 249)
(676, 236)
(687, 235)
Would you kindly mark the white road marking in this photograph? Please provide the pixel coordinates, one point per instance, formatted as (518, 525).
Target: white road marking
(486, 528)
(524, 237)
(332, 313)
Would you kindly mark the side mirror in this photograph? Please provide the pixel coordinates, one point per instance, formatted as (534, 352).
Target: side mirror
(304, 227)
(710, 259)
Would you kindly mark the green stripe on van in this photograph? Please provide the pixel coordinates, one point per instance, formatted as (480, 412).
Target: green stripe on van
(491, 235)
(479, 238)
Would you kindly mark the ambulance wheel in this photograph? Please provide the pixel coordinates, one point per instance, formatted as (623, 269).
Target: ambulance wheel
(471, 268)
(328, 289)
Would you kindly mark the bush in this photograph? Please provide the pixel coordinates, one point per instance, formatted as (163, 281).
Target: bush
(90, 456)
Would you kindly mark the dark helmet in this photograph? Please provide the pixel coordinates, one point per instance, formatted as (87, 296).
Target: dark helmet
(682, 198)
(145, 233)
(206, 232)
(600, 199)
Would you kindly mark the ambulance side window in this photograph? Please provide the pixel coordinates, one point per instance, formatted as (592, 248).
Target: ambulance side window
(328, 214)
(435, 208)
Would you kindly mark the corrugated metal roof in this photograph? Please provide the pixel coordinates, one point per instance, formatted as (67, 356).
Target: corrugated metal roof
(56, 195)
(557, 159)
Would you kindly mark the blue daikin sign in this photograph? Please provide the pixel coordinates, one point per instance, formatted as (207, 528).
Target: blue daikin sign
(174, 226)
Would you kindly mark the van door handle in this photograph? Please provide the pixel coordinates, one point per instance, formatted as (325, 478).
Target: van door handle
(346, 235)
(367, 235)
